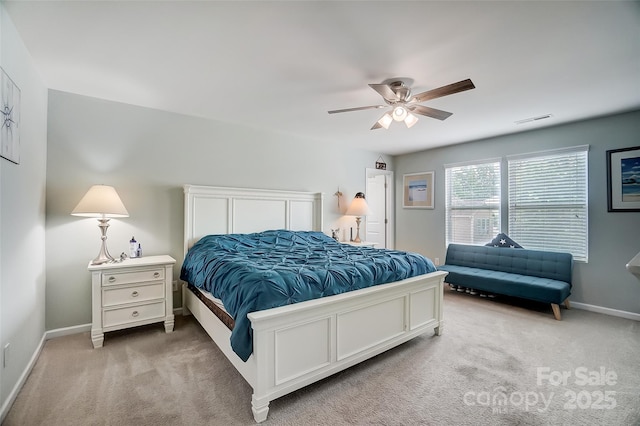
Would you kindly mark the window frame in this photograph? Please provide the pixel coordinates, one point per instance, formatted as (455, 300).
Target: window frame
(581, 206)
(458, 211)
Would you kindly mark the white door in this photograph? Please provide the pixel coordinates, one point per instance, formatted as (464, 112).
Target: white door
(379, 195)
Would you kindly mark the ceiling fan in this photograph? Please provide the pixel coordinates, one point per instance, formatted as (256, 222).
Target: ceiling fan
(404, 106)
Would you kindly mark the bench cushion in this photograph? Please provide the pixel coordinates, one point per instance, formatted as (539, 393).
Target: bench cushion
(530, 274)
(537, 263)
(517, 285)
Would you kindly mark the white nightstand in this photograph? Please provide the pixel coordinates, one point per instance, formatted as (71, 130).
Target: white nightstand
(360, 244)
(131, 293)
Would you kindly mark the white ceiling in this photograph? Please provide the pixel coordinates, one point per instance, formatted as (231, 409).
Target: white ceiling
(282, 65)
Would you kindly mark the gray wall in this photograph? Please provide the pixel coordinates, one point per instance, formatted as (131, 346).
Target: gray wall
(614, 238)
(22, 220)
(147, 155)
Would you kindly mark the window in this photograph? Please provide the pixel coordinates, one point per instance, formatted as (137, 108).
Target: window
(548, 201)
(484, 226)
(472, 202)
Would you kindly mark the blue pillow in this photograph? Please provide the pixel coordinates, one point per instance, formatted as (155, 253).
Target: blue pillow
(503, 240)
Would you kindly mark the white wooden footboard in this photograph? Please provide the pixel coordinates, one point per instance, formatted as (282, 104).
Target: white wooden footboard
(299, 344)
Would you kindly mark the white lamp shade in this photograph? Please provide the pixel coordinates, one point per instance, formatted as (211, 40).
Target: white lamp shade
(358, 207)
(386, 120)
(100, 201)
(410, 120)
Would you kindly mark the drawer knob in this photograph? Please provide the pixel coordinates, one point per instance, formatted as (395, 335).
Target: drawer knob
(134, 294)
(156, 275)
(134, 314)
(112, 279)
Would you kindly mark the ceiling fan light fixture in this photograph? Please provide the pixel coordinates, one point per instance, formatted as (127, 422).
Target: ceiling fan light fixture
(385, 121)
(410, 120)
(399, 113)
(403, 106)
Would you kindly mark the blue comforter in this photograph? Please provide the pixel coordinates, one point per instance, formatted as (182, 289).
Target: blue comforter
(252, 272)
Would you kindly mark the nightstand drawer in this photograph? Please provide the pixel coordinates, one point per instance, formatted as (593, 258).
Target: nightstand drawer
(141, 293)
(115, 278)
(133, 314)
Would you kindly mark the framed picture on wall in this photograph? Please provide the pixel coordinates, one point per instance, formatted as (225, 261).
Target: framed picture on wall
(623, 179)
(418, 189)
(10, 108)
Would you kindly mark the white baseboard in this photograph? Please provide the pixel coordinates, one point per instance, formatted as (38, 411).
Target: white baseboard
(65, 331)
(606, 311)
(21, 381)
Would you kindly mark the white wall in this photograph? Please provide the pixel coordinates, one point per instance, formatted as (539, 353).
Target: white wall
(22, 220)
(614, 238)
(147, 155)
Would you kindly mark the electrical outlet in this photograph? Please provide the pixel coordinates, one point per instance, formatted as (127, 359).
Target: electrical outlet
(175, 285)
(437, 261)
(5, 355)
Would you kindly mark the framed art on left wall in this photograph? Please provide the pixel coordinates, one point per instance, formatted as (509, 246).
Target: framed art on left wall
(10, 108)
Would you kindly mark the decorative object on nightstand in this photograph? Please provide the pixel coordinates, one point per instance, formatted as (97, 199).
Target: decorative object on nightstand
(135, 249)
(131, 293)
(102, 202)
(358, 208)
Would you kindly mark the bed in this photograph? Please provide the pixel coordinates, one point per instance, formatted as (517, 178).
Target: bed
(294, 345)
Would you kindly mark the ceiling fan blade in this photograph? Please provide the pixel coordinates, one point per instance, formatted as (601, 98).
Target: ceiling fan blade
(335, 111)
(449, 89)
(430, 112)
(386, 92)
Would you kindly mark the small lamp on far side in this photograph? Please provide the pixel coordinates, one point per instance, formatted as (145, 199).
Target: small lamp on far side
(102, 202)
(358, 208)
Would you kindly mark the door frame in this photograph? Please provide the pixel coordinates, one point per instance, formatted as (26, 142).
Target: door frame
(389, 203)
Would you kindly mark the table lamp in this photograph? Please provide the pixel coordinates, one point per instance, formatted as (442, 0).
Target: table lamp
(358, 208)
(102, 202)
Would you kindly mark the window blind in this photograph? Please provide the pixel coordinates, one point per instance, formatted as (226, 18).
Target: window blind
(548, 201)
(472, 205)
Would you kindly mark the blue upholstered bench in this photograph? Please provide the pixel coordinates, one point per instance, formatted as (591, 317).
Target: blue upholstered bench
(529, 274)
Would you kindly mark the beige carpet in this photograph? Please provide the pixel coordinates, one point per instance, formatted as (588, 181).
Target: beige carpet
(483, 370)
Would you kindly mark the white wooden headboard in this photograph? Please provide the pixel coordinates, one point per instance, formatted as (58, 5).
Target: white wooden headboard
(219, 210)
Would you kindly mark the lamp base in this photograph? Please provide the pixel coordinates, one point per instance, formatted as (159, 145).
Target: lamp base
(103, 256)
(100, 259)
(357, 238)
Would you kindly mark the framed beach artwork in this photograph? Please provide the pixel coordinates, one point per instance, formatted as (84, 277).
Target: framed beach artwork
(10, 108)
(623, 179)
(418, 189)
